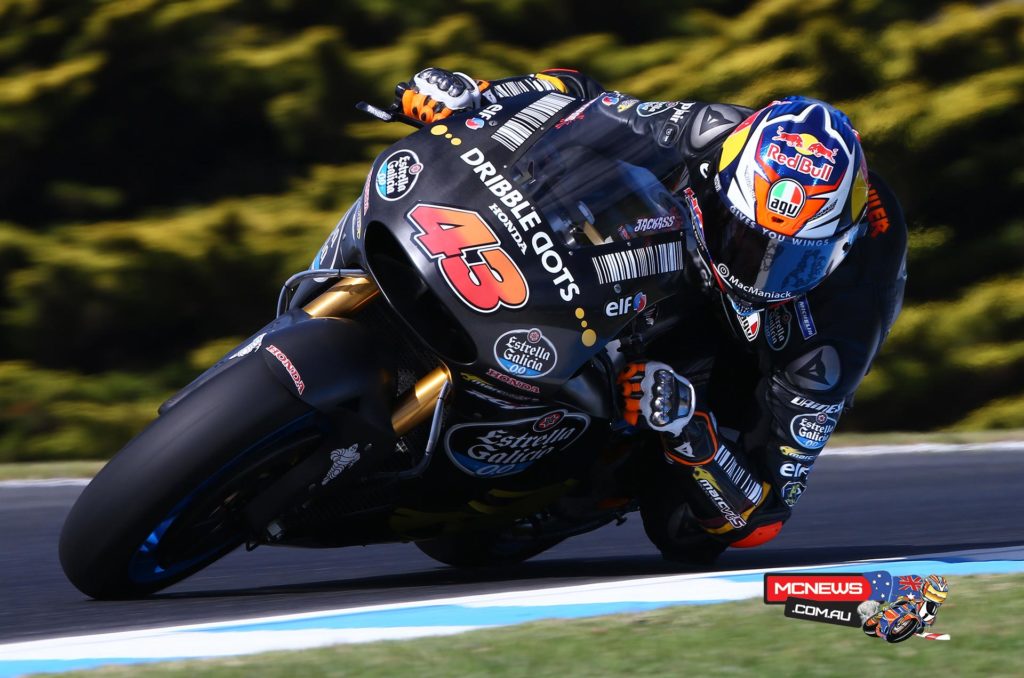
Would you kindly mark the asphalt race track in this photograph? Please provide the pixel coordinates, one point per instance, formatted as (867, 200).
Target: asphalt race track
(855, 507)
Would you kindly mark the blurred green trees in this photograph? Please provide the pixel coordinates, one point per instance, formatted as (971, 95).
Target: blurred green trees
(165, 165)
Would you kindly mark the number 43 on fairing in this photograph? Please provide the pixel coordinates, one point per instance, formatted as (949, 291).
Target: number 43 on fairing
(448, 235)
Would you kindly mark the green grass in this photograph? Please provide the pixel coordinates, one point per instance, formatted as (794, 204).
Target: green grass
(40, 470)
(745, 638)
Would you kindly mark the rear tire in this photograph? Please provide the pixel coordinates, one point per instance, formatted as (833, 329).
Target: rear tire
(169, 503)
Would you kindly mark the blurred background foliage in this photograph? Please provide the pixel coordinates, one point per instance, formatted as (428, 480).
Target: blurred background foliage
(165, 165)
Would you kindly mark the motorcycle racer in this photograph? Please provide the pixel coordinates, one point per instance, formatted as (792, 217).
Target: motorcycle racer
(800, 253)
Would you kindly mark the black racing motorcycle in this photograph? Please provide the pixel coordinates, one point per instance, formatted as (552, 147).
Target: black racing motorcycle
(444, 373)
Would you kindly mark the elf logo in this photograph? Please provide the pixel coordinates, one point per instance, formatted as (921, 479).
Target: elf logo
(626, 305)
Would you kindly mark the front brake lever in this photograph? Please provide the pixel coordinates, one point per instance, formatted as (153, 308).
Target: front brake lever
(390, 114)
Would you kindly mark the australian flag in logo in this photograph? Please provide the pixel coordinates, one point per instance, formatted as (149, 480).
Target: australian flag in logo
(909, 586)
(881, 585)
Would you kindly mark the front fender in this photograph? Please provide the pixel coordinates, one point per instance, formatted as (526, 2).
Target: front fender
(330, 363)
(327, 363)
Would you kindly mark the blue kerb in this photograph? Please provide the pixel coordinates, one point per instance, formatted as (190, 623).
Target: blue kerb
(455, 615)
(498, 615)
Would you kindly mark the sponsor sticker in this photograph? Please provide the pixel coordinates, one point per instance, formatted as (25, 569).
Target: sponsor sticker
(639, 262)
(798, 163)
(649, 108)
(512, 381)
(656, 224)
(248, 348)
(791, 492)
(878, 218)
(341, 459)
(706, 482)
(578, 114)
(286, 362)
(804, 318)
(681, 109)
(626, 105)
(397, 175)
(482, 384)
(751, 324)
(817, 370)
(776, 327)
(525, 353)
(469, 257)
(475, 123)
(626, 305)
(528, 121)
(808, 404)
(786, 197)
(812, 431)
(794, 470)
(525, 218)
(494, 449)
(807, 147)
(498, 402)
(793, 453)
(610, 99)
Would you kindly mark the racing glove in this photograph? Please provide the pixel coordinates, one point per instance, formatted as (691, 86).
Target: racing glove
(434, 94)
(657, 398)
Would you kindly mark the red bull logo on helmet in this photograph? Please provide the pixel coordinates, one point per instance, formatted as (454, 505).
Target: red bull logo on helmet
(807, 144)
(808, 149)
(798, 163)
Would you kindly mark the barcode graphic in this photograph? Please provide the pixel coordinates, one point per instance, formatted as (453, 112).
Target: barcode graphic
(523, 124)
(516, 87)
(640, 262)
(751, 488)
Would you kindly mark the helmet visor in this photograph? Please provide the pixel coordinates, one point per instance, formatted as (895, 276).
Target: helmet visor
(761, 266)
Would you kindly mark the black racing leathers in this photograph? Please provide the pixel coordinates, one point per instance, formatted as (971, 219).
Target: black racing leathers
(770, 388)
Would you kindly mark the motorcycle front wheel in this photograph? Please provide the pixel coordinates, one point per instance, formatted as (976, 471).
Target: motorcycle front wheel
(172, 501)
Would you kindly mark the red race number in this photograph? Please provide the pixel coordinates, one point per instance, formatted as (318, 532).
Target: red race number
(448, 236)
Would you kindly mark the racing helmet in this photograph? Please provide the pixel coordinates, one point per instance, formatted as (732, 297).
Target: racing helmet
(784, 207)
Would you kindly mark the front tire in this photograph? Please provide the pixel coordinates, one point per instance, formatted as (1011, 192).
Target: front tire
(170, 502)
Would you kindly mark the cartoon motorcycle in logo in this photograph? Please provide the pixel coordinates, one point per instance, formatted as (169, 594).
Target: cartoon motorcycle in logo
(444, 373)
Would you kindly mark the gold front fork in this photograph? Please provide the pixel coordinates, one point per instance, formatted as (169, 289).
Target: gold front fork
(346, 297)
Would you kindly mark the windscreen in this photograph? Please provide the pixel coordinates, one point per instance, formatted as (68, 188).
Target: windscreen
(596, 189)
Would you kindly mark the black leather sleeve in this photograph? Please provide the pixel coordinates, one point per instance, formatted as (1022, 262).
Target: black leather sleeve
(816, 351)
